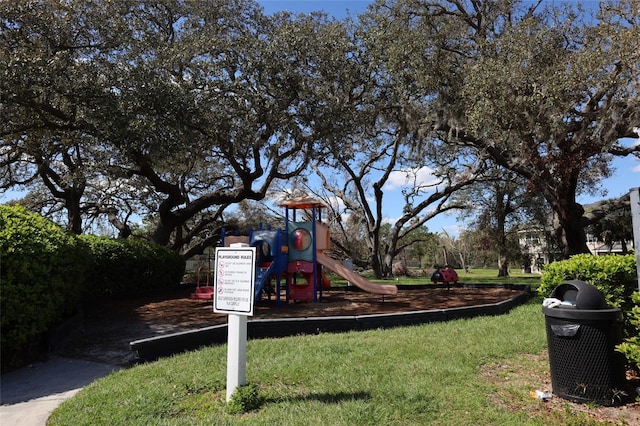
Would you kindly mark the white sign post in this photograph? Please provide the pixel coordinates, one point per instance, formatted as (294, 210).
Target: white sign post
(234, 287)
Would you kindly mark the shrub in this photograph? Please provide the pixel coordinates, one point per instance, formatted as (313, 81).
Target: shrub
(42, 271)
(631, 346)
(615, 276)
(45, 272)
(399, 269)
(128, 268)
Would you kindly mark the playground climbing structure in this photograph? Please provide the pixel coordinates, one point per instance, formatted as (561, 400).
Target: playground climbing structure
(295, 257)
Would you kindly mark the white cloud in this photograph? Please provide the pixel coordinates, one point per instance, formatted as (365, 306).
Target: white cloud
(389, 220)
(415, 177)
(336, 203)
(454, 230)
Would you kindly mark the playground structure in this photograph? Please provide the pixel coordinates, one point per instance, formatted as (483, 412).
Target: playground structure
(446, 275)
(203, 291)
(296, 257)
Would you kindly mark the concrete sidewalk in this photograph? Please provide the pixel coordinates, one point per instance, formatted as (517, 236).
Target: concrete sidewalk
(29, 395)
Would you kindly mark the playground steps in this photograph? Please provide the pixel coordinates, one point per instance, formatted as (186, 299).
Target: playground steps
(263, 275)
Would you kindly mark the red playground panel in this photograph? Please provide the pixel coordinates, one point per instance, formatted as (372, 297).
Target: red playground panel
(445, 276)
(203, 292)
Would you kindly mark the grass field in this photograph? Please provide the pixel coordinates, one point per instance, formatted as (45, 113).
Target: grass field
(477, 276)
(424, 375)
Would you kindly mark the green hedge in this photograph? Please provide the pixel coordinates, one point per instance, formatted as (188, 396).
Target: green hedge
(46, 273)
(616, 277)
(631, 346)
(129, 268)
(42, 273)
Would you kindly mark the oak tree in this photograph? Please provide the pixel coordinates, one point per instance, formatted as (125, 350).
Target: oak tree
(546, 92)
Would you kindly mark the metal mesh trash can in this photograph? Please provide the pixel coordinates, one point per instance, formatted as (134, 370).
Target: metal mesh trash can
(584, 364)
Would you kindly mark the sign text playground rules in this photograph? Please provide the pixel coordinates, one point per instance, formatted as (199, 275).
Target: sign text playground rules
(234, 280)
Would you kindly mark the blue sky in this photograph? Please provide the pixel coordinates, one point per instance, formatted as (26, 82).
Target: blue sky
(335, 8)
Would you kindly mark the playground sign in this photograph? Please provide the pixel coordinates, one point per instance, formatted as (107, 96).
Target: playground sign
(234, 284)
(234, 280)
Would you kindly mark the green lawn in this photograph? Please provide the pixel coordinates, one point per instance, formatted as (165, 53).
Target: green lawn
(490, 276)
(422, 375)
(477, 276)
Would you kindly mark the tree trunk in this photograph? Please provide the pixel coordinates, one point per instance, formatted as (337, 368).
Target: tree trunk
(387, 267)
(376, 265)
(569, 230)
(623, 244)
(463, 262)
(166, 226)
(503, 266)
(74, 213)
(503, 209)
(503, 252)
(390, 253)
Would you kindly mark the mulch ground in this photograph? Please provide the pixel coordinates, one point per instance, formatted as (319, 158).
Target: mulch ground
(107, 329)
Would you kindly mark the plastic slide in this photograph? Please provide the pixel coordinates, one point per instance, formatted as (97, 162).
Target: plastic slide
(355, 279)
(262, 278)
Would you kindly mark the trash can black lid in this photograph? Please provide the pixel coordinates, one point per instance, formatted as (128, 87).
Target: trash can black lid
(582, 294)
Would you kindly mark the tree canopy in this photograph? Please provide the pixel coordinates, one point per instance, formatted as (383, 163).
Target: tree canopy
(547, 93)
(172, 111)
(168, 110)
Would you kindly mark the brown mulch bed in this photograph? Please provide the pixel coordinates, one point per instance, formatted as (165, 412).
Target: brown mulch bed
(108, 328)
